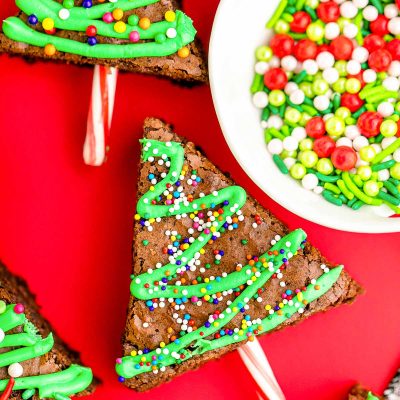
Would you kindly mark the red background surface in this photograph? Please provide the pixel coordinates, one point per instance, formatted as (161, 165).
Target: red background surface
(67, 229)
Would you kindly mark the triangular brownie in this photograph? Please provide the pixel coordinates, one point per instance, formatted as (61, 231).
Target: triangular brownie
(205, 277)
(147, 36)
(34, 362)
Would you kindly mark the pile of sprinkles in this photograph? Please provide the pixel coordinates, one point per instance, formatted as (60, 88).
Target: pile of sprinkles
(110, 28)
(209, 216)
(328, 87)
(27, 344)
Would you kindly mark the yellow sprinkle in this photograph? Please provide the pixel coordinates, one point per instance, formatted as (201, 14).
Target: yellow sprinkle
(162, 344)
(216, 214)
(184, 52)
(206, 280)
(299, 296)
(133, 353)
(169, 197)
(48, 24)
(173, 238)
(213, 229)
(203, 290)
(240, 332)
(207, 297)
(152, 220)
(120, 27)
(216, 324)
(170, 16)
(202, 251)
(268, 307)
(253, 278)
(143, 359)
(152, 188)
(234, 309)
(137, 217)
(192, 216)
(281, 305)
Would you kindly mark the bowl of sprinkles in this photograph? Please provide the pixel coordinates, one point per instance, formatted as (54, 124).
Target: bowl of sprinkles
(324, 79)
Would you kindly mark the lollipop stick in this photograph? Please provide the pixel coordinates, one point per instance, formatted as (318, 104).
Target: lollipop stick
(100, 115)
(7, 392)
(257, 363)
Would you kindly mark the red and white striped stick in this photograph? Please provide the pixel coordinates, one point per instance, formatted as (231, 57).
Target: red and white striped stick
(100, 115)
(257, 363)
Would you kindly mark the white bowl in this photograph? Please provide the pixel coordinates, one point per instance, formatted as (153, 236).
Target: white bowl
(239, 27)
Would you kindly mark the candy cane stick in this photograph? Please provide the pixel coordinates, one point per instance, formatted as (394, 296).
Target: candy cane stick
(7, 392)
(257, 363)
(100, 115)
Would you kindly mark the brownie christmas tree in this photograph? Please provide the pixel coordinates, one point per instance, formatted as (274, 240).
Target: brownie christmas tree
(117, 33)
(33, 363)
(212, 268)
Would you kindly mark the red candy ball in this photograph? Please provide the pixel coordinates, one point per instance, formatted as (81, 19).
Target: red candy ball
(282, 45)
(91, 30)
(305, 49)
(315, 127)
(369, 123)
(342, 47)
(380, 60)
(344, 158)
(373, 42)
(300, 22)
(393, 47)
(275, 78)
(380, 25)
(328, 12)
(352, 101)
(324, 146)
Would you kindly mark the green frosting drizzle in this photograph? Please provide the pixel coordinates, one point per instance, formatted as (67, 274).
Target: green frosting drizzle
(28, 345)
(147, 286)
(156, 44)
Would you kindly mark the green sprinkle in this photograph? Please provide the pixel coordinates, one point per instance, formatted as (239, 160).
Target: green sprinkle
(208, 266)
(326, 178)
(244, 242)
(357, 205)
(300, 4)
(357, 192)
(343, 198)
(310, 110)
(287, 17)
(258, 83)
(391, 188)
(285, 130)
(265, 114)
(145, 242)
(277, 14)
(384, 165)
(280, 164)
(384, 153)
(312, 13)
(275, 133)
(267, 136)
(297, 36)
(351, 202)
(217, 262)
(333, 188)
(336, 101)
(358, 181)
(343, 188)
(389, 198)
(27, 394)
(300, 77)
(378, 5)
(359, 112)
(329, 196)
